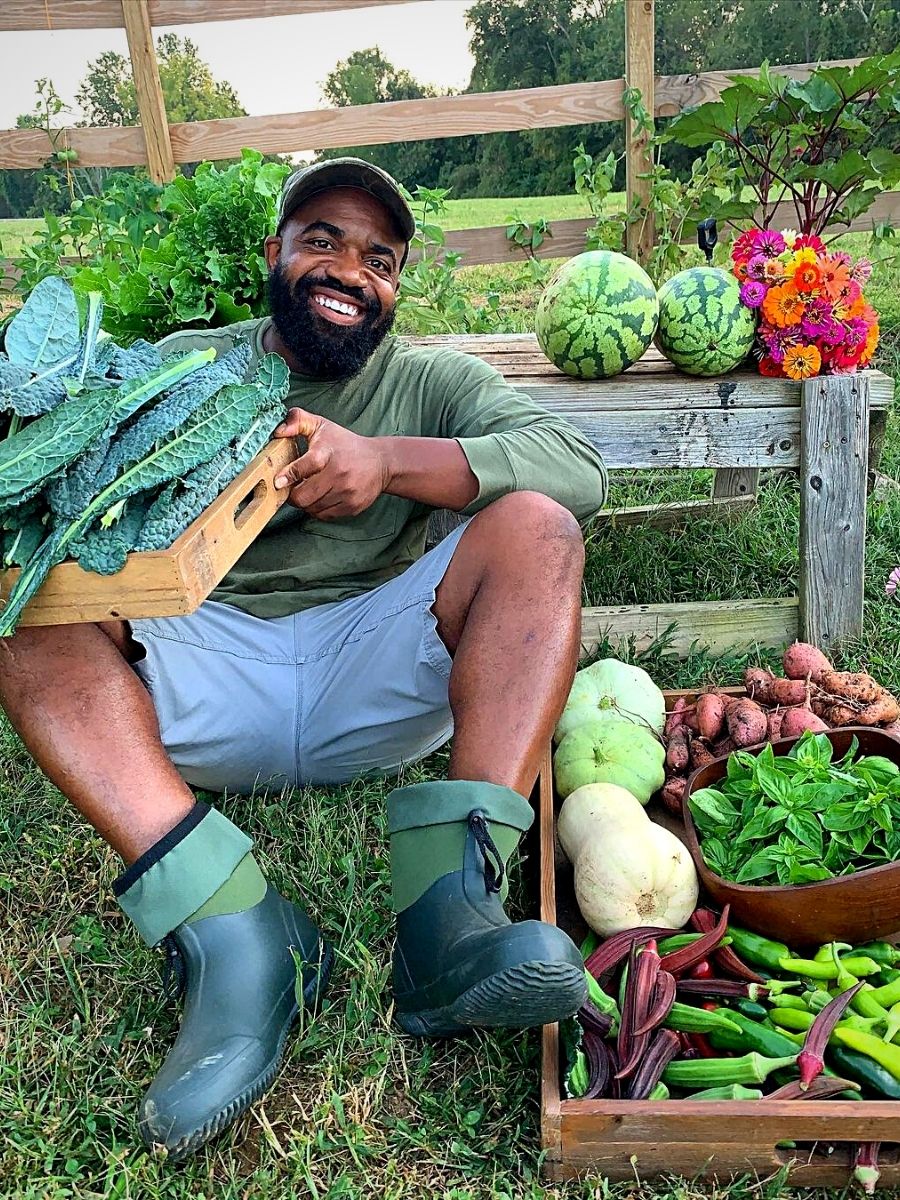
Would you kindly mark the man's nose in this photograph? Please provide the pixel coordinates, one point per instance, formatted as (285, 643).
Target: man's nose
(348, 268)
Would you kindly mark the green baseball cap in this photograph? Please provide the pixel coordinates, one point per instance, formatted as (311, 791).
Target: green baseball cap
(346, 172)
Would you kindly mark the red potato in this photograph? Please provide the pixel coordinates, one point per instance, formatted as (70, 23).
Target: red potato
(788, 692)
(804, 661)
(701, 755)
(879, 712)
(672, 796)
(774, 721)
(675, 718)
(710, 715)
(798, 720)
(746, 723)
(677, 755)
(849, 685)
(758, 682)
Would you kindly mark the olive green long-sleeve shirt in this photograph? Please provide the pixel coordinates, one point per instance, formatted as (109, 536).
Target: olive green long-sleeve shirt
(511, 445)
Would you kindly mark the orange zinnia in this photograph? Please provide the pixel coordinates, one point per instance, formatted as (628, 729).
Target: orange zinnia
(806, 277)
(783, 306)
(869, 348)
(802, 362)
(740, 270)
(835, 276)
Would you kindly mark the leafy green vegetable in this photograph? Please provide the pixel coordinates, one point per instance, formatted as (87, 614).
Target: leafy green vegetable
(800, 817)
(37, 452)
(46, 330)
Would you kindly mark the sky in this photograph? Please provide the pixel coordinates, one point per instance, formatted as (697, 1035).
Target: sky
(275, 65)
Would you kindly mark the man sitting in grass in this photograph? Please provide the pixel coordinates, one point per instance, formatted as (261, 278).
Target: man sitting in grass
(336, 647)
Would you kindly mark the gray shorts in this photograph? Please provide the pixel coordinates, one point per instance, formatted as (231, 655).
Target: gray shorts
(354, 688)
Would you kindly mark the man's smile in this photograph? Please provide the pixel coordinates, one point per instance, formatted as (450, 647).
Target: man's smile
(339, 310)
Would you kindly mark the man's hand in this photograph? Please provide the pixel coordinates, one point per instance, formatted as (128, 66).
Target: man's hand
(340, 474)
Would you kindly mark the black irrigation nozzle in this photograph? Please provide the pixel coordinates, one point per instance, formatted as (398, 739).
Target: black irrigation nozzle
(707, 236)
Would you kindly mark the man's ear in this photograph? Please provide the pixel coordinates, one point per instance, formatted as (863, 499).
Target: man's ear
(272, 249)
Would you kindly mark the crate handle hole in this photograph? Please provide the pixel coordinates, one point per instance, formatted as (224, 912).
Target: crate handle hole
(832, 1152)
(250, 503)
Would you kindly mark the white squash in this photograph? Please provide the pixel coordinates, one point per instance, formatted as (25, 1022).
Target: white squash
(609, 689)
(635, 875)
(596, 804)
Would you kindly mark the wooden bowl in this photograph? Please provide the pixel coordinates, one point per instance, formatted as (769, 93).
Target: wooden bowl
(849, 908)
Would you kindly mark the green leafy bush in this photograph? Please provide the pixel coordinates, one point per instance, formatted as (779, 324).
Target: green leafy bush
(189, 254)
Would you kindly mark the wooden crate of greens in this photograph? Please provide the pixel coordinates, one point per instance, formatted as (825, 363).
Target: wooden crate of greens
(713, 1141)
(172, 582)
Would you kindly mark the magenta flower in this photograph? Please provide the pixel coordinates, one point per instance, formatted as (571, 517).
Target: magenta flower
(862, 271)
(893, 579)
(818, 320)
(756, 267)
(770, 243)
(778, 340)
(855, 333)
(753, 293)
(842, 257)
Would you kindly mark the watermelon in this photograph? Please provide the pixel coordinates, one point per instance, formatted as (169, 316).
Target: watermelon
(597, 315)
(703, 327)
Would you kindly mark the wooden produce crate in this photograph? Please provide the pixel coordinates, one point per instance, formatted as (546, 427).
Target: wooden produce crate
(173, 582)
(624, 1139)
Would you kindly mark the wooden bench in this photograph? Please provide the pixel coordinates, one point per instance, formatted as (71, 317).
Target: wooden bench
(654, 417)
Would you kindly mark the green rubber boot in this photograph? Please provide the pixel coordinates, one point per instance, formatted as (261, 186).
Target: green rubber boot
(459, 962)
(240, 999)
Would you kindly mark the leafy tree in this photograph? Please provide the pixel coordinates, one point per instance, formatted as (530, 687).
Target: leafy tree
(107, 95)
(367, 77)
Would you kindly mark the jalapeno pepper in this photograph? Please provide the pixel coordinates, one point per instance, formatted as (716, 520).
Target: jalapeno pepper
(886, 1055)
(757, 950)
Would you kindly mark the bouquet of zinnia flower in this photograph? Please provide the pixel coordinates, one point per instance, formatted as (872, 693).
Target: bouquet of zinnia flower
(813, 317)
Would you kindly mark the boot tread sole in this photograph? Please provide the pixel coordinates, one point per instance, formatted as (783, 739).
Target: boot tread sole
(519, 997)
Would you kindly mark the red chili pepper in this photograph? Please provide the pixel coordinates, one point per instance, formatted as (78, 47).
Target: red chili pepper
(702, 971)
(700, 1042)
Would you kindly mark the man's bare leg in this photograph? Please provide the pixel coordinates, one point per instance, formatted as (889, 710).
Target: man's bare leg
(509, 612)
(91, 727)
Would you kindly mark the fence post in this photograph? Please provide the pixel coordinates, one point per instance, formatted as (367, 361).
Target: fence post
(151, 106)
(639, 73)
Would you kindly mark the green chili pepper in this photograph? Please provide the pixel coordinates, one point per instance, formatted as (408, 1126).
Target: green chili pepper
(817, 1000)
(789, 1001)
(753, 1036)
(792, 1019)
(885, 1054)
(893, 1023)
(856, 968)
(824, 953)
(882, 952)
(866, 1004)
(677, 941)
(888, 995)
(751, 1008)
(757, 950)
(850, 1064)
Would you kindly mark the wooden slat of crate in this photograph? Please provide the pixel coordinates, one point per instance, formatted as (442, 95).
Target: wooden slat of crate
(623, 1139)
(173, 582)
(717, 625)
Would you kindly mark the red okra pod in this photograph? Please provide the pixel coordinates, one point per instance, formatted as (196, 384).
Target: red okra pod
(663, 999)
(737, 988)
(704, 920)
(643, 968)
(662, 1049)
(607, 957)
(593, 1020)
(865, 1166)
(824, 1087)
(811, 1060)
(682, 960)
(600, 1066)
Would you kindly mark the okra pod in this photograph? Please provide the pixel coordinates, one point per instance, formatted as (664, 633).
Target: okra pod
(887, 1056)
(688, 956)
(594, 1021)
(643, 969)
(600, 1066)
(820, 1088)
(578, 1078)
(602, 1001)
(659, 1055)
(732, 963)
(812, 1057)
(688, 1019)
(865, 1166)
(663, 999)
(732, 1091)
(722, 987)
(713, 1072)
(605, 959)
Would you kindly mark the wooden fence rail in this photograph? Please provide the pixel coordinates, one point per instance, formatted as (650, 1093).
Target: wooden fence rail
(107, 14)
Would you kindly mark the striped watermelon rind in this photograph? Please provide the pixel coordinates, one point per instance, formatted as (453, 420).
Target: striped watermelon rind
(597, 315)
(704, 329)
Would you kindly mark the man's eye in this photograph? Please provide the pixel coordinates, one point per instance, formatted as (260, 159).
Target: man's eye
(379, 264)
(321, 243)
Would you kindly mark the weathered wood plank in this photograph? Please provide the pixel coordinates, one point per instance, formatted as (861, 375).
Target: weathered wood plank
(151, 105)
(833, 476)
(670, 515)
(640, 237)
(366, 124)
(732, 481)
(717, 625)
(107, 14)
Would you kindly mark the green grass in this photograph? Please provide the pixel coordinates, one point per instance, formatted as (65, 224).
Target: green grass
(359, 1110)
(469, 214)
(14, 233)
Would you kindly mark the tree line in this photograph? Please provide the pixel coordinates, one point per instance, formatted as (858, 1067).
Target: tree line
(515, 44)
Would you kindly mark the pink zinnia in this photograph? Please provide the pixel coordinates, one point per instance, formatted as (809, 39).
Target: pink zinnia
(753, 293)
(756, 267)
(744, 245)
(855, 334)
(862, 271)
(818, 320)
(780, 339)
(841, 257)
(770, 243)
(893, 580)
(811, 241)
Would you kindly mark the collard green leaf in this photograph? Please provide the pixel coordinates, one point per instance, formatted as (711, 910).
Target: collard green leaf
(46, 329)
(51, 442)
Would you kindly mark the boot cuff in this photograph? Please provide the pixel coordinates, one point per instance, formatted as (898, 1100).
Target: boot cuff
(447, 801)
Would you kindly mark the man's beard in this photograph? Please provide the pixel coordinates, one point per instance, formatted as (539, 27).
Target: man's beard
(321, 347)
